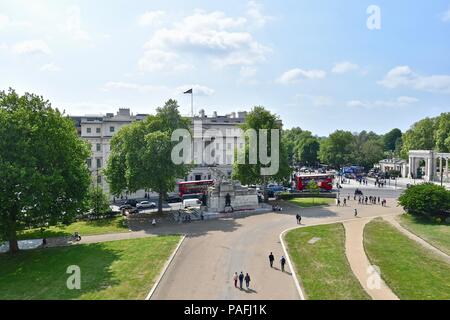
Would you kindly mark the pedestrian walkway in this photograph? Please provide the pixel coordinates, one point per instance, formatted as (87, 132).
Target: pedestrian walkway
(392, 220)
(360, 264)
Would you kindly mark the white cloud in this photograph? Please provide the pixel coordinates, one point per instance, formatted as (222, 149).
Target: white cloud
(197, 89)
(344, 67)
(214, 36)
(398, 102)
(294, 75)
(7, 22)
(248, 72)
(158, 60)
(446, 15)
(73, 24)
(50, 67)
(316, 101)
(31, 47)
(112, 85)
(254, 12)
(404, 76)
(4, 21)
(150, 18)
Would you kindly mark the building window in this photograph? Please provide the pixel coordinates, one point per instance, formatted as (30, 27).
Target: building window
(111, 129)
(99, 163)
(99, 179)
(97, 130)
(89, 163)
(88, 130)
(98, 147)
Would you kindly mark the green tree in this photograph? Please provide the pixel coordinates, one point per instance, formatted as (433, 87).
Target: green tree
(247, 173)
(443, 133)
(140, 157)
(44, 179)
(337, 149)
(371, 153)
(313, 188)
(98, 201)
(426, 199)
(421, 136)
(306, 149)
(391, 139)
(290, 140)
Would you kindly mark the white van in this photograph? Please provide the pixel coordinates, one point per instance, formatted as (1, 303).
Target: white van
(187, 203)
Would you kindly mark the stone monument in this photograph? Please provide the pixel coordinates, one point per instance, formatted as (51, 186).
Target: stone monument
(226, 196)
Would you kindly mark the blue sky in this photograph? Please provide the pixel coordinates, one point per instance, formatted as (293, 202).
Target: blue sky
(314, 63)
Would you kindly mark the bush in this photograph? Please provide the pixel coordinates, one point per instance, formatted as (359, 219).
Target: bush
(98, 202)
(426, 199)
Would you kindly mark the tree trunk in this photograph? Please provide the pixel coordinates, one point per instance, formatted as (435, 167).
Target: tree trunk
(13, 246)
(160, 202)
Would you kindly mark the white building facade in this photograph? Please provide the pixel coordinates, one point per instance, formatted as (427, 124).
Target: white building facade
(98, 131)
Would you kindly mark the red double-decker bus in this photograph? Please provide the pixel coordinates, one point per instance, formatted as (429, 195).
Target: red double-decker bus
(193, 187)
(324, 181)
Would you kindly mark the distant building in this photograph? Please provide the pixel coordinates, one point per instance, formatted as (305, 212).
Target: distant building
(428, 165)
(99, 129)
(394, 164)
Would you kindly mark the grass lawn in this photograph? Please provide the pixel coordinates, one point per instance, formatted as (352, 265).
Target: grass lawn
(322, 267)
(111, 270)
(85, 228)
(410, 270)
(312, 202)
(434, 233)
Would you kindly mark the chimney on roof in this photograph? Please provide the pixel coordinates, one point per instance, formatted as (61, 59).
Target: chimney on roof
(242, 114)
(124, 112)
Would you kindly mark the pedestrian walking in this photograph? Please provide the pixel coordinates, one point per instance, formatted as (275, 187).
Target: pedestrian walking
(282, 262)
(235, 279)
(298, 218)
(356, 212)
(271, 259)
(247, 281)
(241, 280)
(345, 202)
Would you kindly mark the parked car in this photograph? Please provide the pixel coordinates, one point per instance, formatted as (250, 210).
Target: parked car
(127, 207)
(146, 205)
(131, 202)
(174, 199)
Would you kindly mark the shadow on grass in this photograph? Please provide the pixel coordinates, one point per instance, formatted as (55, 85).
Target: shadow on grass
(420, 219)
(41, 274)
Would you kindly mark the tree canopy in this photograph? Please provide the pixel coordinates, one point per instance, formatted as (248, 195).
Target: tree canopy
(140, 155)
(44, 179)
(248, 173)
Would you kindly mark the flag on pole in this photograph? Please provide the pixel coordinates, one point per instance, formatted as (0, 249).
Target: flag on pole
(191, 92)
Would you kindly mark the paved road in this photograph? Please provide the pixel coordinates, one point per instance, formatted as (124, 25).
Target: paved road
(214, 250)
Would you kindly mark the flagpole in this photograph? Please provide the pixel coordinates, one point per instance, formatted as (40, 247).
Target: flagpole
(192, 103)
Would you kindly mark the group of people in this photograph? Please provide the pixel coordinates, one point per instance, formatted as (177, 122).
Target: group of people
(380, 184)
(371, 200)
(282, 261)
(241, 278)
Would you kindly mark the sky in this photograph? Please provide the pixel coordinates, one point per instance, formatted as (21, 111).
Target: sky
(320, 65)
